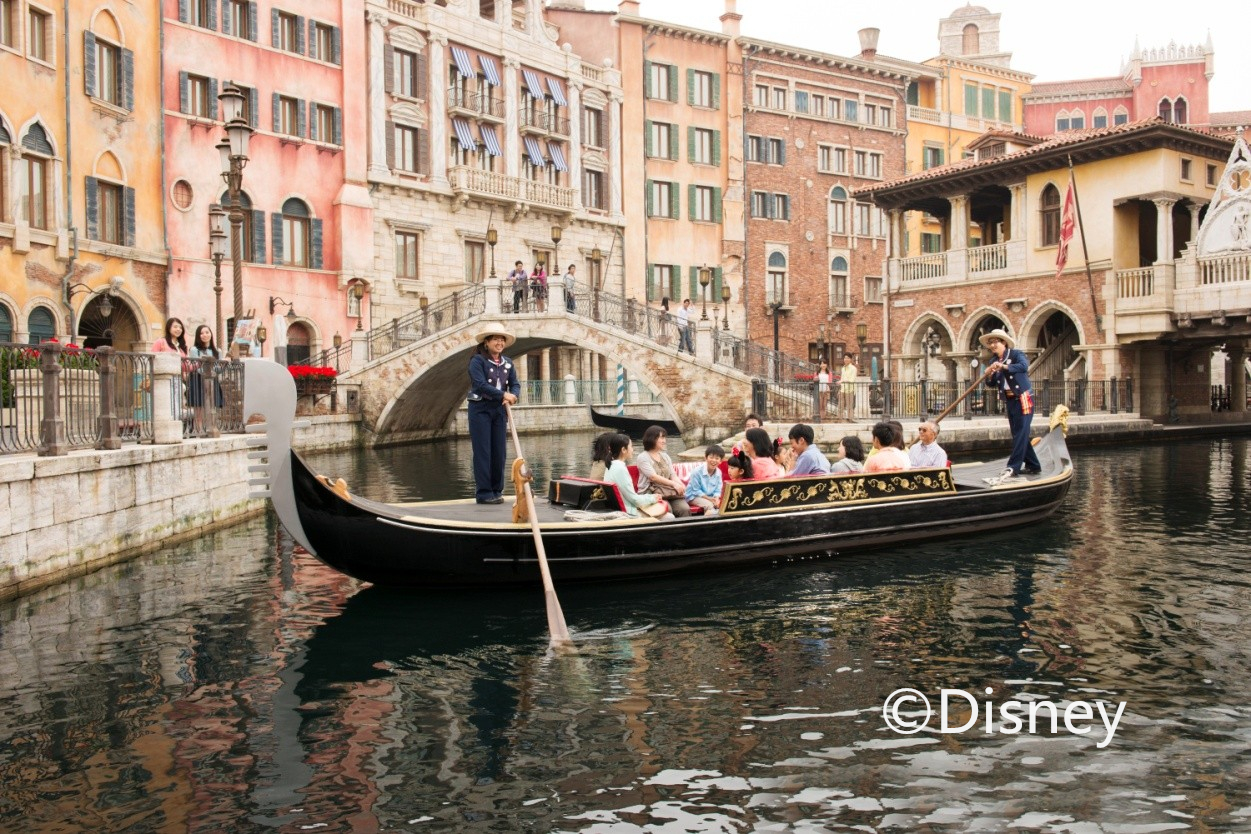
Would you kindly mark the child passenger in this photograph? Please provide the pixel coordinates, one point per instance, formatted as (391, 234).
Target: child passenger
(738, 465)
(704, 487)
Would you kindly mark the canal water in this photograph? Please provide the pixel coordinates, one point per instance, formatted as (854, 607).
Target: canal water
(234, 684)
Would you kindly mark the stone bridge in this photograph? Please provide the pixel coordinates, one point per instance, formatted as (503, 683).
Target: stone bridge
(412, 393)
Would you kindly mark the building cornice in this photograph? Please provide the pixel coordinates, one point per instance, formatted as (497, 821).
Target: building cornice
(891, 70)
(978, 66)
(662, 27)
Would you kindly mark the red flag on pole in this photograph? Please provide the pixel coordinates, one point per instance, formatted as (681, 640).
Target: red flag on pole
(1067, 223)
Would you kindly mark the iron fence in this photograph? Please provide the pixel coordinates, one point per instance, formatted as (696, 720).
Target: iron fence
(760, 362)
(410, 327)
(585, 392)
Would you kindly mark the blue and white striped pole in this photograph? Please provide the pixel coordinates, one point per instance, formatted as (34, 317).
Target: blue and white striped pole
(620, 389)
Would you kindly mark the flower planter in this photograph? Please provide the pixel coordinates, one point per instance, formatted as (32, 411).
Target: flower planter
(314, 386)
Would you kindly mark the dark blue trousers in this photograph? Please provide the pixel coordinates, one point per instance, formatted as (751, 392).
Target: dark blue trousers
(488, 431)
(1022, 452)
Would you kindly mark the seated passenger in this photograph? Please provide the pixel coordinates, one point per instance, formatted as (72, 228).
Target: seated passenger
(621, 450)
(601, 457)
(850, 456)
(656, 472)
(809, 460)
(886, 457)
(763, 452)
(704, 487)
(738, 465)
(927, 452)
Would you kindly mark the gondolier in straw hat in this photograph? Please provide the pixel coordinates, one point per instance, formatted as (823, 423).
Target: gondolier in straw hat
(1009, 375)
(492, 385)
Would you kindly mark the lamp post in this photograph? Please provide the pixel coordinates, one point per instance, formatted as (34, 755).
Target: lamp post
(597, 258)
(338, 343)
(556, 235)
(274, 301)
(424, 303)
(106, 306)
(493, 237)
(219, 245)
(358, 292)
(862, 336)
(725, 300)
(705, 278)
(931, 344)
(261, 335)
(233, 150)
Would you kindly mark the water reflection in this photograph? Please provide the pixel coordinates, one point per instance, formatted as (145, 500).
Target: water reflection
(237, 685)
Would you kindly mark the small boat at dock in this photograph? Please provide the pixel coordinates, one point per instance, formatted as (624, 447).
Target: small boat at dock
(633, 426)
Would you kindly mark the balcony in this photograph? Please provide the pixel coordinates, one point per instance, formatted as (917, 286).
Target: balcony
(988, 258)
(473, 182)
(923, 267)
(411, 10)
(936, 268)
(924, 114)
(474, 105)
(534, 122)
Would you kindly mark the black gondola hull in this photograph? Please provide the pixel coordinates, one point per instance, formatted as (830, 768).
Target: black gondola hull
(633, 426)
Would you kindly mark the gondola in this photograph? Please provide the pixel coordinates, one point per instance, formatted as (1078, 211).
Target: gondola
(633, 426)
(460, 543)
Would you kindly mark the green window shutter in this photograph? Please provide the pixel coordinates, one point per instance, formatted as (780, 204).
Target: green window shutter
(226, 18)
(312, 121)
(647, 80)
(647, 139)
(299, 35)
(716, 91)
(89, 63)
(690, 85)
(692, 291)
(716, 284)
(252, 22)
(970, 99)
(690, 202)
(93, 209)
(716, 147)
(184, 11)
(651, 282)
(301, 126)
(315, 236)
(338, 126)
(716, 208)
(275, 33)
(782, 152)
(690, 144)
(258, 236)
(673, 83)
(184, 93)
(1005, 105)
(128, 217)
(675, 200)
(277, 254)
(213, 98)
(988, 102)
(277, 117)
(673, 141)
(648, 190)
(128, 79)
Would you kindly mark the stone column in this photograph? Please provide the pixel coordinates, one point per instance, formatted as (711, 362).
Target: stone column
(959, 222)
(575, 139)
(614, 153)
(1237, 350)
(377, 98)
(360, 350)
(1019, 212)
(437, 67)
(703, 338)
(166, 398)
(545, 364)
(1195, 208)
(896, 232)
(512, 118)
(1164, 230)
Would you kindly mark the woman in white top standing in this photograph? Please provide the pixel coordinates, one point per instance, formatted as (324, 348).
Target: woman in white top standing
(823, 390)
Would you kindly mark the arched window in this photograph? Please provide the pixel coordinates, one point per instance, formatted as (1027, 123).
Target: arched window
(1180, 111)
(1050, 210)
(33, 171)
(1077, 120)
(6, 322)
(775, 279)
(292, 237)
(252, 230)
(1062, 121)
(970, 46)
(298, 344)
(41, 325)
(838, 211)
(1166, 110)
(1120, 116)
(839, 297)
(1100, 118)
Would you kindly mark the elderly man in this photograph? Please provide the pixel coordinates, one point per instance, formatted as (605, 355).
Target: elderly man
(927, 453)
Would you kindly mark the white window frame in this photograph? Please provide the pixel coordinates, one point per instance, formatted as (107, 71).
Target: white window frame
(703, 146)
(701, 94)
(702, 209)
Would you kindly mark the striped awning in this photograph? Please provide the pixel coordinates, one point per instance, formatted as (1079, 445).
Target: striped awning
(489, 69)
(491, 141)
(463, 134)
(534, 151)
(463, 65)
(533, 84)
(557, 155)
(558, 95)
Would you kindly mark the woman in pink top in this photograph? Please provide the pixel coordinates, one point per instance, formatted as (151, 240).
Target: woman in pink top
(763, 451)
(174, 340)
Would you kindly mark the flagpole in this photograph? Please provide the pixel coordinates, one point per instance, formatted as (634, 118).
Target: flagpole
(1081, 229)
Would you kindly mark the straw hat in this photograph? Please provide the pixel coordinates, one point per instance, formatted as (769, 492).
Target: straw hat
(494, 328)
(997, 333)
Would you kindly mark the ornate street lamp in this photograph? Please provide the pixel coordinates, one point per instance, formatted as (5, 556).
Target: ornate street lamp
(219, 247)
(556, 235)
(358, 292)
(597, 258)
(705, 278)
(725, 299)
(275, 301)
(233, 150)
(424, 303)
(931, 345)
(261, 335)
(493, 237)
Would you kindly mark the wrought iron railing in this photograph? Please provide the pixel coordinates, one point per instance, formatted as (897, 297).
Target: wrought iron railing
(445, 313)
(584, 392)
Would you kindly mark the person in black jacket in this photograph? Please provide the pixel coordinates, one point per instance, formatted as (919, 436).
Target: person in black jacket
(492, 385)
(1009, 375)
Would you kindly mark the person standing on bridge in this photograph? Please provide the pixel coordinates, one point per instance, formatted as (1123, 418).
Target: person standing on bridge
(493, 384)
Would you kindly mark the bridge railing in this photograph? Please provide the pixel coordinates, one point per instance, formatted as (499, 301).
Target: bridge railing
(581, 392)
(755, 360)
(445, 313)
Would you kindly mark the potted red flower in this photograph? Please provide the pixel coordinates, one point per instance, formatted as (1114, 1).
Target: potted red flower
(313, 380)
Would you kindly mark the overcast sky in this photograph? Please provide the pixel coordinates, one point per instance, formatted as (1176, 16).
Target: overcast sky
(1055, 41)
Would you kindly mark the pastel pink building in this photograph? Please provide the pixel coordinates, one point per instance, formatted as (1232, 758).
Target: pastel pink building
(1171, 82)
(303, 188)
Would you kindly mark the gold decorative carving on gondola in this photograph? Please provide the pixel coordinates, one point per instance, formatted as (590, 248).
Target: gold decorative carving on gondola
(795, 493)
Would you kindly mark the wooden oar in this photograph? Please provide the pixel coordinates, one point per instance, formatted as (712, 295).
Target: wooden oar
(959, 400)
(557, 630)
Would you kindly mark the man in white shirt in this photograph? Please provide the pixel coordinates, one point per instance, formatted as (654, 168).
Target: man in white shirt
(686, 339)
(570, 283)
(927, 453)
